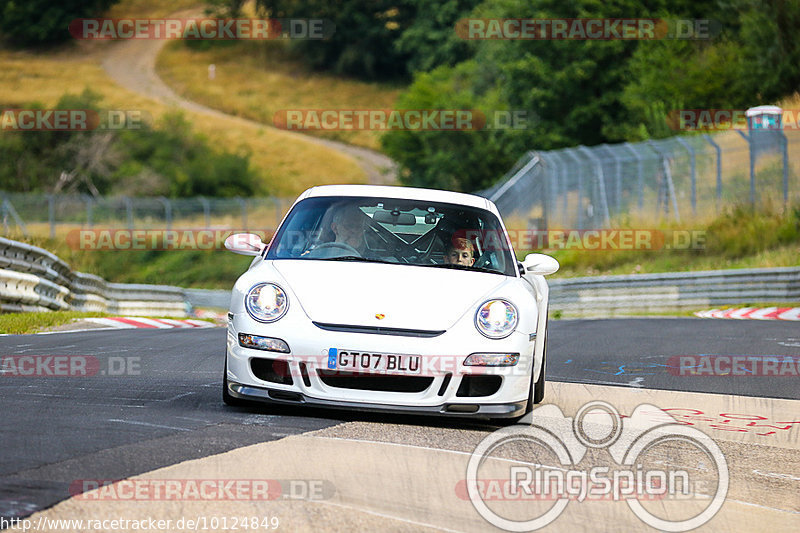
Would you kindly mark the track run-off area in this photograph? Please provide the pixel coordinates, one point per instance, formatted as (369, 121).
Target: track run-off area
(149, 413)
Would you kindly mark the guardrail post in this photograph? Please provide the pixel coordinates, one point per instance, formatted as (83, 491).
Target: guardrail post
(752, 167)
(128, 211)
(244, 212)
(167, 211)
(277, 203)
(564, 190)
(534, 160)
(88, 200)
(601, 182)
(206, 211)
(668, 179)
(639, 175)
(710, 141)
(692, 165)
(785, 148)
(8, 209)
(51, 215)
(555, 173)
(571, 154)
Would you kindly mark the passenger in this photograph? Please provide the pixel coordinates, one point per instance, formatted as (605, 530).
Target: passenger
(461, 251)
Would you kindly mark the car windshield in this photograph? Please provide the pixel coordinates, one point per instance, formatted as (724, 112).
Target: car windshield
(396, 231)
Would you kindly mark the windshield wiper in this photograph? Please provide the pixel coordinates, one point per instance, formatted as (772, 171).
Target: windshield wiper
(463, 267)
(356, 258)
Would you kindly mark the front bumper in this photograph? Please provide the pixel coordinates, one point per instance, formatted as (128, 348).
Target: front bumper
(279, 396)
(443, 393)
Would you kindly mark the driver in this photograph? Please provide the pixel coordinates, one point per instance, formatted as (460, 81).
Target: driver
(348, 227)
(460, 251)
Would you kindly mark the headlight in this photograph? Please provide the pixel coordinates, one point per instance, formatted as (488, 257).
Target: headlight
(268, 344)
(491, 359)
(496, 319)
(266, 302)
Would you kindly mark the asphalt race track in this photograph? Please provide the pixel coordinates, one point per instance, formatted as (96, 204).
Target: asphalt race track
(153, 401)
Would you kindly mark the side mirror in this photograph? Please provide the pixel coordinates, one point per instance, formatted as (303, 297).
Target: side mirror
(540, 264)
(244, 244)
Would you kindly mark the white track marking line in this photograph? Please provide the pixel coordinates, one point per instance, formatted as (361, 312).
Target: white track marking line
(753, 313)
(111, 323)
(148, 321)
(791, 314)
(741, 313)
(760, 314)
(200, 323)
(762, 506)
(172, 323)
(135, 423)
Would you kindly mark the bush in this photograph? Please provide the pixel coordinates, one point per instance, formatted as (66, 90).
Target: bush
(168, 159)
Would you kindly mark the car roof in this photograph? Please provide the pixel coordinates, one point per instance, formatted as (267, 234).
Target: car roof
(409, 193)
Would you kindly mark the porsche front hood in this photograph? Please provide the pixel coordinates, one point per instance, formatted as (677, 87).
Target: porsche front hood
(408, 297)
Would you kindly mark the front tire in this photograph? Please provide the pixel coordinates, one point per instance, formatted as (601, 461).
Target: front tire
(538, 387)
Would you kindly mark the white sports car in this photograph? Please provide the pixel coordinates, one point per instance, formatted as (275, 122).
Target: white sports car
(389, 298)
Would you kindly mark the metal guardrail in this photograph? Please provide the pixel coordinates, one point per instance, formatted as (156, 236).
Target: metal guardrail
(33, 279)
(604, 296)
(208, 298)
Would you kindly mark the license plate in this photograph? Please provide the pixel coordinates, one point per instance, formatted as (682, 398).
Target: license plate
(384, 363)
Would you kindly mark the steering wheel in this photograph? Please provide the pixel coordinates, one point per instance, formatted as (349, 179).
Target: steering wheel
(484, 261)
(332, 248)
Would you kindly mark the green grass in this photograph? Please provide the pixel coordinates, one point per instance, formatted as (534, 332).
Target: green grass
(738, 238)
(19, 323)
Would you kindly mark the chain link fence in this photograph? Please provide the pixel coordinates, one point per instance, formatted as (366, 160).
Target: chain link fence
(678, 179)
(54, 214)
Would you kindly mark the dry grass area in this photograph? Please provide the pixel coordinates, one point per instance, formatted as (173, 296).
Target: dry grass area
(257, 79)
(288, 163)
(149, 8)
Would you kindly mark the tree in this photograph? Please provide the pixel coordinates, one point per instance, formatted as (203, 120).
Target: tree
(34, 22)
(363, 42)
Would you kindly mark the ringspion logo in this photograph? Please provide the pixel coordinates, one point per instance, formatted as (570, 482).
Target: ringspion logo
(532, 471)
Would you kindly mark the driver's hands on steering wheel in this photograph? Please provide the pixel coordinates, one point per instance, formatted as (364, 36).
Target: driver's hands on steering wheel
(332, 248)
